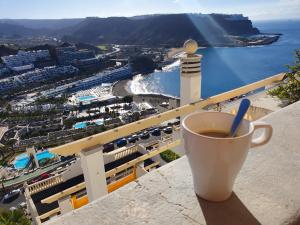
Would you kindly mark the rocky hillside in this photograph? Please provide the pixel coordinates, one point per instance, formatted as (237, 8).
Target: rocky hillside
(170, 30)
(154, 30)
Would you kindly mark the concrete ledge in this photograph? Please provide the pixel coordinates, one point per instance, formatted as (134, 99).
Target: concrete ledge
(266, 191)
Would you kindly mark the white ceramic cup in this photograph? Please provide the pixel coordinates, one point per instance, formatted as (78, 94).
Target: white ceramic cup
(215, 162)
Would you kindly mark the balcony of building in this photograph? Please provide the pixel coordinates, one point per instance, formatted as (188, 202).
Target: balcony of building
(121, 187)
(265, 192)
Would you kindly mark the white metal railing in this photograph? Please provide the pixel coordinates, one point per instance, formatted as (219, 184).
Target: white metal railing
(119, 153)
(44, 184)
(126, 152)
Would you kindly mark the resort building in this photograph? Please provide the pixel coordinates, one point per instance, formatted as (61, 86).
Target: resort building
(24, 58)
(3, 70)
(87, 63)
(105, 77)
(36, 76)
(108, 76)
(69, 55)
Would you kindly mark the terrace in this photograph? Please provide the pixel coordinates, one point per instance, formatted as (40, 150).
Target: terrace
(266, 191)
(263, 193)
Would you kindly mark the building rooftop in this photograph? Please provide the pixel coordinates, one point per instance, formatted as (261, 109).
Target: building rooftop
(265, 192)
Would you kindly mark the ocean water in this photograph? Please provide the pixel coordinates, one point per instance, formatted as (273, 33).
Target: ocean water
(224, 69)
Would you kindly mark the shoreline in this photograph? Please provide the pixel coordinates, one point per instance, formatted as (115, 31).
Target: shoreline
(120, 88)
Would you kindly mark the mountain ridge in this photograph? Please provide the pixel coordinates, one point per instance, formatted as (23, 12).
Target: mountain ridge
(150, 30)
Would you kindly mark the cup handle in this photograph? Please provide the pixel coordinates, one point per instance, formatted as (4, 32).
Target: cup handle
(264, 137)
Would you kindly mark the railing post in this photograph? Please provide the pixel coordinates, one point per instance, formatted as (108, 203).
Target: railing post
(65, 204)
(139, 170)
(190, 74)
(92, 164)
(190, 81)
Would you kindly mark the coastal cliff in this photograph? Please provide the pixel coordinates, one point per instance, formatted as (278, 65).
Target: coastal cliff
(164, 30)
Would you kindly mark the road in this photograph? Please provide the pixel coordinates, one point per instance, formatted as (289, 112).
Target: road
(15, 203)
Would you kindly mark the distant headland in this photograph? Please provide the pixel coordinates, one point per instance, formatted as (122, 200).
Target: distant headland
(166, 30)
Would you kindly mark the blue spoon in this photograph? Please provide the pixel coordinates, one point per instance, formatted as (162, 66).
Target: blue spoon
(244, 106)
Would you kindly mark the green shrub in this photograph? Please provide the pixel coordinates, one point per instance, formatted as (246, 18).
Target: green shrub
(169, 155)
(289, 90)
(15, 217)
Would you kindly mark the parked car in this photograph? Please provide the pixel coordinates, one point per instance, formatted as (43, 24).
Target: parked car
(145, 135)
(11, 196)
(156, 132)
(134, 138)
(108, 147)
(121, 142)
(22, 205)
(168, 130)
(39, 178)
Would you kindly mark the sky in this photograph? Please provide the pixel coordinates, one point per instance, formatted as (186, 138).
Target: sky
(56, 9)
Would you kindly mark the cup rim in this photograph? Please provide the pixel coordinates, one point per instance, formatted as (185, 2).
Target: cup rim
(251, 127)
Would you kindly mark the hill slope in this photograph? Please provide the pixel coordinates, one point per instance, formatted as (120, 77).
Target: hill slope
(52, 24)
(11, 30)
(151, 30)
(156, 30)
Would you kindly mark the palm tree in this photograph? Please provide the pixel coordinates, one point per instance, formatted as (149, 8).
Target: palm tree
(15, 217)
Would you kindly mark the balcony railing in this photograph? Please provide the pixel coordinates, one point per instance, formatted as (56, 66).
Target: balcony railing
(94, 143)
(44, 184)
(119, 153)
(125, 130)
(112, 172)
(266, 190)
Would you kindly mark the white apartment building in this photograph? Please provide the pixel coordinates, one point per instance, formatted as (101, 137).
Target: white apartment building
(23, 58)
(36, 76)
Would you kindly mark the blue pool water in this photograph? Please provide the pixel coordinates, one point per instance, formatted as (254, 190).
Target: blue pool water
(224, 69)
(81, 125)
(86, 98)
(22, 160)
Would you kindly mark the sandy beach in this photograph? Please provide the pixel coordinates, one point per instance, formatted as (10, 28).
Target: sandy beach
(120, 88)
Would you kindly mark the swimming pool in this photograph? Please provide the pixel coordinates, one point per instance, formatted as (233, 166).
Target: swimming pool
(86, 98)
(22, 160)
(81, 125)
